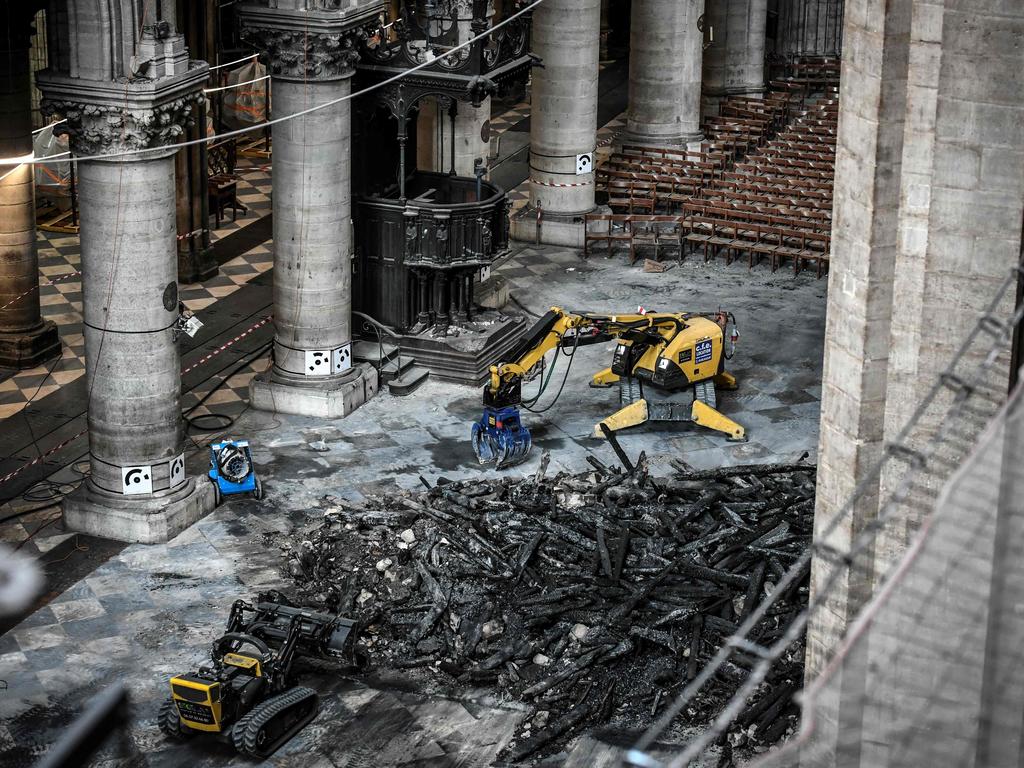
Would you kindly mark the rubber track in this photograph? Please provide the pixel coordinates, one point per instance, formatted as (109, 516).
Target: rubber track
(170, 723)
(705, 392)
(248, 726)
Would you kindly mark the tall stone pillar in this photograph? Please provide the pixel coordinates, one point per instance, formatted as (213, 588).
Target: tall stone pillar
(929, 200)
(860, 307)
(137, 489)
(811, 27)
(472, 136)
(444, 143)
(311, 56)
(438, 135)
(25, 338)
(961, 203)
(666, 51)
(734, 62)
(563, 124)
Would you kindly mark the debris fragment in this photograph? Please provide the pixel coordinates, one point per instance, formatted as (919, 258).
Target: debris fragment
(592, 598)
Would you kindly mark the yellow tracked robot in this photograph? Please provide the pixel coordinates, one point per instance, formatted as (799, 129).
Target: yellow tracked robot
(657, 356)
(247, 694)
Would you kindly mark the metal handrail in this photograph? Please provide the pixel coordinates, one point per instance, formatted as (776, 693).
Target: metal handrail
(370, 324)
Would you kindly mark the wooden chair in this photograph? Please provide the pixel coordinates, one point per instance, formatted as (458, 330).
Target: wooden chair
(222, 181)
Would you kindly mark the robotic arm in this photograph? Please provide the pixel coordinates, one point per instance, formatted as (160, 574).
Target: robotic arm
(666, 351)
(500, 437)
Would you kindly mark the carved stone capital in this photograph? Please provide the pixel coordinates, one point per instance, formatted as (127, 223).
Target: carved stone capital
(108, 118)
(310, 39)
(293, 55)
(100, 129)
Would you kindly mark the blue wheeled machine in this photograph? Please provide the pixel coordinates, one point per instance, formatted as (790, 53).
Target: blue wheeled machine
(232, 470)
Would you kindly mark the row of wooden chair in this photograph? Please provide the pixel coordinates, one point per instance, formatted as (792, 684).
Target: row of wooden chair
(761, 185)
(711, 234)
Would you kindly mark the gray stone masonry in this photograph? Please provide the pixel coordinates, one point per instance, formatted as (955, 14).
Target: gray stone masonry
(311, 56)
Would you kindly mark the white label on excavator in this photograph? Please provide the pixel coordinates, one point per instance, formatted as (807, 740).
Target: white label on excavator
(703, 351)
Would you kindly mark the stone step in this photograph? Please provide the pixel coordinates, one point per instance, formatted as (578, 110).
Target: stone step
(370, 351)
(410, 380)
(396, 367)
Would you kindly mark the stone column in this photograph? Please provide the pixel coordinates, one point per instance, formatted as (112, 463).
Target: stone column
(666, 51)
(811, 27)
(25, 338)
(196, 259)
(563, 126)
(929, 201)
(138, 489)
(961, 205)
(860, 307)
(311, 57)
(472, 121)
(434, 129)
(734, 62)
(472, 136)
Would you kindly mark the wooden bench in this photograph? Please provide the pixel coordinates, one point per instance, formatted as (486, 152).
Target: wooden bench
(813, 187)
(779, 170)
(689, 155)
(611, 228)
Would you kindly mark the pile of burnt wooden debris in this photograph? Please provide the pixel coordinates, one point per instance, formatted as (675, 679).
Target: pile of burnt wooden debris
(592, 598)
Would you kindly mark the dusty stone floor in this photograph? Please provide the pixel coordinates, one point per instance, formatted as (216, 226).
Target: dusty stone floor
(151, 611)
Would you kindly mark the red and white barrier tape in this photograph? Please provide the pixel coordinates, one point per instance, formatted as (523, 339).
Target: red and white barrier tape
(193, 233)
(11, 475)
(60, 278)
(600, 145)
(556, 184)
(217, 351)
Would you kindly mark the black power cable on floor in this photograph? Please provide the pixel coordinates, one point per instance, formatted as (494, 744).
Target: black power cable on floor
(223, 420)
(51, 486)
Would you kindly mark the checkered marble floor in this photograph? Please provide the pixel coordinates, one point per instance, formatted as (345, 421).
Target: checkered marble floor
(60, 291)
(506, 118)
(254, 192)
(231, 398)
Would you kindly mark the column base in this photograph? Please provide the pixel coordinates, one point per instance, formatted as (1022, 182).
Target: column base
(197, 267)
(712, 99)
(690, 141)
(145, 520)
(555, 228)
(30, 348)
(331, 399)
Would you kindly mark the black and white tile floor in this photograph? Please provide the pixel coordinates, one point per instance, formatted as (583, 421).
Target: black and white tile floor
(60, 291)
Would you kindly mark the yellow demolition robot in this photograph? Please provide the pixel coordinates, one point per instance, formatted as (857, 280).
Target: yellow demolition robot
(248, 694)
(657, 356)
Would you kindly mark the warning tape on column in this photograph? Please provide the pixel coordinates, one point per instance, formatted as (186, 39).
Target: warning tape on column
(60, 278)
(601, 144)
(556, 184)
(64, 444)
